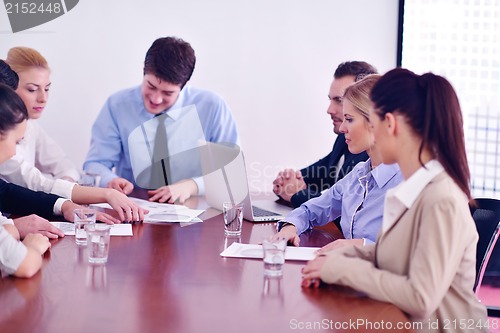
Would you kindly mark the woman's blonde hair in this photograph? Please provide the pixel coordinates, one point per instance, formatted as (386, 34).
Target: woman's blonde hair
(358, 94)
(22, 58)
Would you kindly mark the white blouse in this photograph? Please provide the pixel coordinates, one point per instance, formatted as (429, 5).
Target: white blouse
(39, 164)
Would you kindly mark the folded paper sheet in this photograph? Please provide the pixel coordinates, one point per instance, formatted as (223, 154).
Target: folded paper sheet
(163, 212)
(239, 250)
(116, 229)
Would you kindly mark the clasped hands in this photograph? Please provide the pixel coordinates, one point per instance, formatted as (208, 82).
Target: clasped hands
(287, 183)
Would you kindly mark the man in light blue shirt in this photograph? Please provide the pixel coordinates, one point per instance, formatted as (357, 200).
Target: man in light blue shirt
(125, 134)
(358, 198)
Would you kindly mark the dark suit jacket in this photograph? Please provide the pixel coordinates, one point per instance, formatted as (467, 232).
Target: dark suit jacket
(21, 201)
(321, 175)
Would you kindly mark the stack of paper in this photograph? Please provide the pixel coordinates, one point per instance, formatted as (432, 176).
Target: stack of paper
(116, 229)
(239, 250)
(164, 213)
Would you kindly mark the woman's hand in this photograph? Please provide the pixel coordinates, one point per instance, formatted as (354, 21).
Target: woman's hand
(289, 232)
(337, 244)
(311, 272)
(37, 242)
(127, 210)
(69, 207)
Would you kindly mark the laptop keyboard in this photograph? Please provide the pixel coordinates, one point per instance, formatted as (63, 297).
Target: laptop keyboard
(259, 212)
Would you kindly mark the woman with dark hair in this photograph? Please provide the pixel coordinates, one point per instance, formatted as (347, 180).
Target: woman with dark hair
(23, 259)
(424, 257)
(8, 76)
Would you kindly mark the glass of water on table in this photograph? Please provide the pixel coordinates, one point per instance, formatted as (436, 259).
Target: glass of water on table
(274, 256)
(98, 237)
(82, 218)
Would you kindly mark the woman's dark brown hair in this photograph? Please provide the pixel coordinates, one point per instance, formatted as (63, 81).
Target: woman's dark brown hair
(12, 109)
(431, 108)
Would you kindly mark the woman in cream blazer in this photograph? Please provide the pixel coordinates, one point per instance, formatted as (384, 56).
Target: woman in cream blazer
(424, 258)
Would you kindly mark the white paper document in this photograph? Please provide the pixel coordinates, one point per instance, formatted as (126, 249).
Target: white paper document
(163, 212)
(239, 250)
(116, 229)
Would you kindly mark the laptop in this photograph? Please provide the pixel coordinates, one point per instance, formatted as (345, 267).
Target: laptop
(225, 178)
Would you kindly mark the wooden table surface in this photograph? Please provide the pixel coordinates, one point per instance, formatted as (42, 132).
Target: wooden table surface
(170, 278)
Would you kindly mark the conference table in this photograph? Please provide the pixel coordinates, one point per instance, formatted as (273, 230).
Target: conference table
(170, 277)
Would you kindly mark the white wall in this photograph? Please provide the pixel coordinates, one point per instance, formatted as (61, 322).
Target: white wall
(272, 61)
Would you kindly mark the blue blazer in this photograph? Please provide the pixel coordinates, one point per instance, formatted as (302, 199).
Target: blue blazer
(321, 175)
(21, 201)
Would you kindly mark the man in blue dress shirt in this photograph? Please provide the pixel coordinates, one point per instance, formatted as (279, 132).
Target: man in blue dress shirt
(161, 123)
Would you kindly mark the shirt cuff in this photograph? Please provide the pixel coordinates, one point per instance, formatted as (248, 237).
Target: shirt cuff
(73, 174)
(366, 241)
(201, 185)
(106, 179)
(4, 220)
(58, 206)
(63, 188)
(282, 224)
(13, 251)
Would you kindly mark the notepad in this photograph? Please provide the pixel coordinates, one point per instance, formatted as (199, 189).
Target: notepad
(163, 212)
(239, 250)
(115, 230)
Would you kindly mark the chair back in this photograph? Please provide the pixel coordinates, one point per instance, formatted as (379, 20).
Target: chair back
(486, 215)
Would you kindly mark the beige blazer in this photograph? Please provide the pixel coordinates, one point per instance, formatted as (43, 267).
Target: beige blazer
(424, 263)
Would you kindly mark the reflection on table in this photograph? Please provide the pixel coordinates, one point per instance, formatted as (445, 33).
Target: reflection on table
(168, 278)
